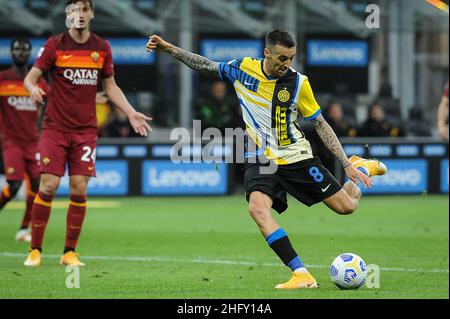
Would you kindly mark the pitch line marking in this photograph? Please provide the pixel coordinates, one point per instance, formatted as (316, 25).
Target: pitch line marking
(200, 260)
(65, 204)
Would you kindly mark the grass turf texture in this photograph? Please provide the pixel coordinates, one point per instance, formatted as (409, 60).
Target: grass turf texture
(210, 248)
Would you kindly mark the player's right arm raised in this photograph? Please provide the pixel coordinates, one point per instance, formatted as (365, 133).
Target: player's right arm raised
(30, 83)
(194, 61)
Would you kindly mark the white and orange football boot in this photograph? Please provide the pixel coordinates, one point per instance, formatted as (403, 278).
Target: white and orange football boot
(34, 258)
(70, 259)
(23, 235)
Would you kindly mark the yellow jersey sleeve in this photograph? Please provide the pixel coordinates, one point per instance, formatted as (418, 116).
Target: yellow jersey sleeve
(307, 105)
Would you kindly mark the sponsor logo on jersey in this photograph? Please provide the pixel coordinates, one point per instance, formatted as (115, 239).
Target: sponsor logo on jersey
(282, 125)
(21, 103)
(82, 76)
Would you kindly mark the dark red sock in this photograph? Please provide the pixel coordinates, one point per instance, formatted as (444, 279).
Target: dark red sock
(40, 214)
(75, 218)
(29, 205)
(5, 197)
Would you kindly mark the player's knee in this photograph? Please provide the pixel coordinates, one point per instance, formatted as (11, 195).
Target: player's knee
(49, 186)
(346, 211)
(348, 208)
(14, 187)
(78, 187)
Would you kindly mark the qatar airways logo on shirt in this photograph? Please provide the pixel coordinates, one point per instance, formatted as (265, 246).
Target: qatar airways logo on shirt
(21, 103)
(82, 76)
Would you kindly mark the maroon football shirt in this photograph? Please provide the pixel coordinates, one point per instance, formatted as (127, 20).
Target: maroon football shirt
(76, 71)
(19, 115)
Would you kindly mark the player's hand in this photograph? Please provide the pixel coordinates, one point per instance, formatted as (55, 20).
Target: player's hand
(156, 42)
(101, 98)
(355, 175)
(37, 96)
(139, 122)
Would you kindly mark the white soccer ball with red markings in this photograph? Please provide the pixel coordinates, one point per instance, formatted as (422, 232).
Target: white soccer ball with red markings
(348, 271)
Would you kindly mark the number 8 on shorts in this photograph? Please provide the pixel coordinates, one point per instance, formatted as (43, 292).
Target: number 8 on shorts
(316, 174)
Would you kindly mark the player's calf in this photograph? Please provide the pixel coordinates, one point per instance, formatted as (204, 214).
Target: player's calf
(260, 209)
(260, 214)
(40, 215)
(75, 218)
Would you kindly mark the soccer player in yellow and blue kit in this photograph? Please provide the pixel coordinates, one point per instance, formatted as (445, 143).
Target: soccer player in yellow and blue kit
(272, 95)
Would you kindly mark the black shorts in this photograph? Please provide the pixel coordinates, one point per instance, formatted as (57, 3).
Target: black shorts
(308, 181)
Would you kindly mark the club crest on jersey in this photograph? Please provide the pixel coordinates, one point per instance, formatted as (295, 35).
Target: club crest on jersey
(95, 56)
(10, 170)
(284, 95)
(45, 161)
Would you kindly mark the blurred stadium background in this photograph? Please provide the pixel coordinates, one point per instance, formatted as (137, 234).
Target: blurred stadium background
(400, 64)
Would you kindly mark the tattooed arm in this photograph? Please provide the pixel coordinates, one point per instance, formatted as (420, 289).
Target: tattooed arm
(194, 61)
(331, 141)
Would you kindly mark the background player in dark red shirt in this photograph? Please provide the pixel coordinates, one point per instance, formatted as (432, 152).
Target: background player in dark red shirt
(20, 137)
(78, 60)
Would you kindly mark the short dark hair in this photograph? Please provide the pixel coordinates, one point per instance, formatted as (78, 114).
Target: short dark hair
(91, 2)
(21, 40)
(280, 37)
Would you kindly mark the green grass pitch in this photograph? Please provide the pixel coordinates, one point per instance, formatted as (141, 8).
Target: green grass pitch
(208, 247)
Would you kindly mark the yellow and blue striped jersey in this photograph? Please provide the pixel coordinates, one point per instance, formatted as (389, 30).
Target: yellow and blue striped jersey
(270, 107)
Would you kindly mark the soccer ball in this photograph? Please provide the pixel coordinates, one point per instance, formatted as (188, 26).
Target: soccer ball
(348, 271)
